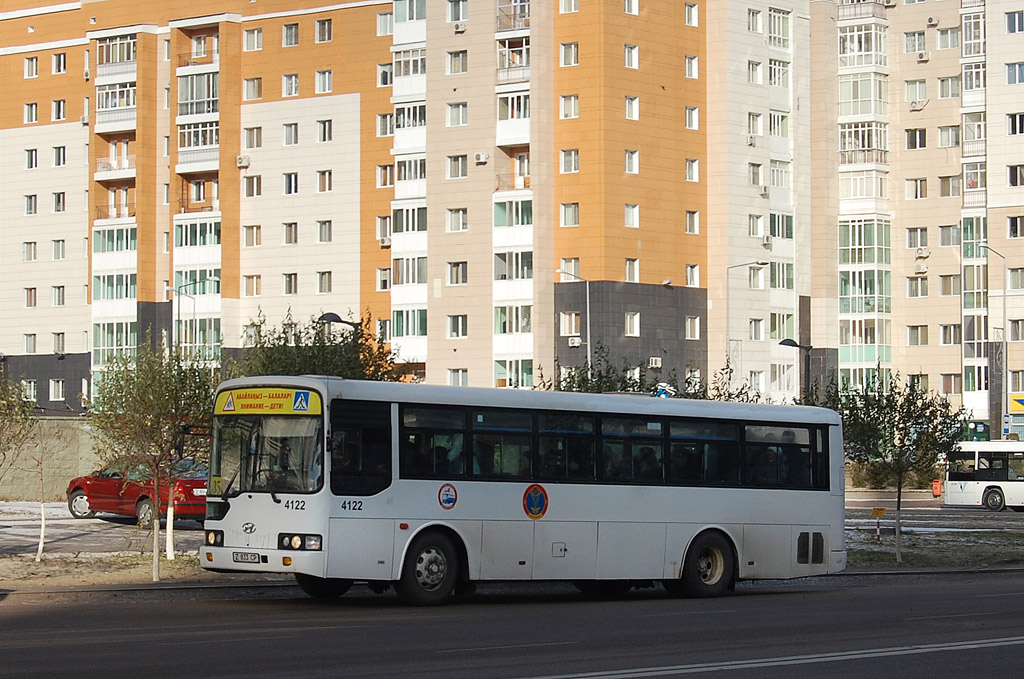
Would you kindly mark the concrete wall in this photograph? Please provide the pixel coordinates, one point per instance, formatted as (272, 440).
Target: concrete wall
(65, 446)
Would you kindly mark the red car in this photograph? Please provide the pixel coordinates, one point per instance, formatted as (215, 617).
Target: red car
(128, 491)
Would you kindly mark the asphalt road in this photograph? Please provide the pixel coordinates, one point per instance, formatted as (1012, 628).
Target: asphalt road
(841, 626)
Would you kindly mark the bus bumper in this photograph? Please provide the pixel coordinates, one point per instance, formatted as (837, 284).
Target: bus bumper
(247, 560)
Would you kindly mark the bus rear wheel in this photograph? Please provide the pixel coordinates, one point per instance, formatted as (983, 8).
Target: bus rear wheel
(708, 569)
(994, 500)
(430, 572)
(322, 588)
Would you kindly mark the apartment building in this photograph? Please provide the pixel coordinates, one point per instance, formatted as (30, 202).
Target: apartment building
(931, 198)
(506, 187)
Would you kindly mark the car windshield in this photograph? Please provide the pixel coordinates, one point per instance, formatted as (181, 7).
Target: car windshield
(277, 454)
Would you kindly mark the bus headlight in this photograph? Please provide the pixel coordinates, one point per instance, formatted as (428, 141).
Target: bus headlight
(215, 538)
(300, 542)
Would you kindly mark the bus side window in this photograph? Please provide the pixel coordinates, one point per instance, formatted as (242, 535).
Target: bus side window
(360, 447)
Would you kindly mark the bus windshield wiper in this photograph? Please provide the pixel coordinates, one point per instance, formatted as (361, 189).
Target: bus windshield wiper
(224, 493)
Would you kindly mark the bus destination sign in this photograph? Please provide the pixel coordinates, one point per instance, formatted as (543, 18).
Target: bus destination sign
(268, 401)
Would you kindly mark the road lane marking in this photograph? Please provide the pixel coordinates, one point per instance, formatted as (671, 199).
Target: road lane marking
(755, 663)
(504, 648)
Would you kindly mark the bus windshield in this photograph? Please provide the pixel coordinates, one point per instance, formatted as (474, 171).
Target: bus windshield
(275, 454)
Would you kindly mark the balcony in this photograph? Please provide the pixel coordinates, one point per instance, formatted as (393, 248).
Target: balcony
(513, 74)
(857, 157)
(862, 10)
(967, 4)
(118, 71)
(126, 211)
(112, 169)
(509, 19)
(973, 147)
(511, 182)
(198, 107)
(190, 59)
(976, 198)
(122, 119)
(188, 207)
(198, 159)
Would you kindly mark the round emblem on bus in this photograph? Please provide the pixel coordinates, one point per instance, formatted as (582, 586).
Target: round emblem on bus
(535, 501)
(447, 496)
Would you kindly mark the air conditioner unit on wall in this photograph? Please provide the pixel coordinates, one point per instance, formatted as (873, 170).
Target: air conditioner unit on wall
(766, 240)
(86, 74)
(920, 267)
(889, 3)
(933, 21)
(764, 190)
(923, 253)
(923, 56)
(575, 342)
(385, 242)
(242, 162)
(481, 158)
(461, 26)
(751, 140)
(918, 105)
(654, 362)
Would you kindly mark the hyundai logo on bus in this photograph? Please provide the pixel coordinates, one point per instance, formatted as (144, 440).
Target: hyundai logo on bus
(248, 528)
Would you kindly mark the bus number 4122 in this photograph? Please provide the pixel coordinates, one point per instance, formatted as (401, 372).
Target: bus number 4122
(295, 504)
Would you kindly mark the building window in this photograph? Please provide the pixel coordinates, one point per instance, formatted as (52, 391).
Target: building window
(570, 161)
(31, 67)
(30, 343)
(755, 74)
(458, 273)
(632, 7)
(692, 170)
(385, 176)
(917, 286)
(632, 218)
(949, 186)
(30, 298)
(1015, 227)
(385, 124)
(692, 118)
(692, 275)
(291, 134)
(60, 156)
(633, 162)
(755, 225)
(383, 279)
(458, 326)
(59, 250)
(290, 85)
(28, 251)
(59, 201)
(570, 270)
(324, 231)
(31, 204)
(252, 89)
(948, 38)
(291, 183)
(917, 335)
(385, 23)
(778, 174)
(324, 30)
(568, 6)
(324, 81)
(458, 10)
(58, 109)
(290, 35)
(632, 324)
(950, 334)
(916, 90)
(458, 377)
(692, 221)
(324, 130)
(253, 235)
(325, 181)
(1015, 175)
(30, 113)
(58, 342)
(570, 52)
(690, 14)
(569, 323)
(631, 56)
(513, 265)
(252, 186)
(56, 390)
(31, 159)
(1015, 73)
(253, 286)
(914, 42)
(290, 232)
(692, 327)
(57, 295)
(323, 282)
(632, 108)
(409, 323)
(457, 114)
(458, 62)
(252, 138)
(458, 167)
(385, 76)
(917, 237)
(570, 214)
(692, 64)
(632, 271)
(949, 88)
(916, 189)
(949, 136)
(949, 235)
(916, 139)
(755, 329)
(290, 283)
(570, 106)
(458, 219)
(778, 73)
(781, 275)
(253, 40)
(59, 63)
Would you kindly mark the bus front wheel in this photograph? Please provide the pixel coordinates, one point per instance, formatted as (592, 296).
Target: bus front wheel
(430, 572)
(322, 588)
(994, 500)
(708, 569)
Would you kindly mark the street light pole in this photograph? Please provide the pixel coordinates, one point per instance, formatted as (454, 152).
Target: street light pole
(1003, 426)
(177, 304)
(586, 283)
(760, 263)
(806, 349)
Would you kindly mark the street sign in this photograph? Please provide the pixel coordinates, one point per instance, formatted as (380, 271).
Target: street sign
(878, 513)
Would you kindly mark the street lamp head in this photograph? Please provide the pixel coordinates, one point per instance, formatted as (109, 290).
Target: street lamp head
(762, 262)
(789, 343)
(329, 317)
(667, 282)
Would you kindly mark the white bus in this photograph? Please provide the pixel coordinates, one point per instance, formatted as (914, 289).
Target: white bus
(430, 489)
(986, 474)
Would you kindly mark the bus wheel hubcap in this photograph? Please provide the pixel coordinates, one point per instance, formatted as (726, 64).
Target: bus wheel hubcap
(710, 565)
(430, 568)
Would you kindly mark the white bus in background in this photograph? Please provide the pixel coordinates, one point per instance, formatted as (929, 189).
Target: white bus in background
(430, 489)
(986, 474)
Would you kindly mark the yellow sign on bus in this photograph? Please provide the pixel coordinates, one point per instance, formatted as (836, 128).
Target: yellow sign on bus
(275, 401)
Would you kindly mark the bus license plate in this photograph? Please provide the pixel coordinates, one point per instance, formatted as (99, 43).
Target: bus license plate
(245, 557)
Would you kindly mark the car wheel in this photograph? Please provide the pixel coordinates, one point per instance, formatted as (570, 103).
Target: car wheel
(322, 588)
(994, 500)
(709, 567)
(430, 571)
(144, 512)
(78, 505)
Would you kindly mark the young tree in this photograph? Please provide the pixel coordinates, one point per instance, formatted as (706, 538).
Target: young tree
(142, 403)
(318, 347)
(16, 423)
(899, 428)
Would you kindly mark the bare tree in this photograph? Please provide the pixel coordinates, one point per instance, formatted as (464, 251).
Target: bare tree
(16, 423)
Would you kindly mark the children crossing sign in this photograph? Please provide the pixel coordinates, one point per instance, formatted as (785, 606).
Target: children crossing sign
(268, 401)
